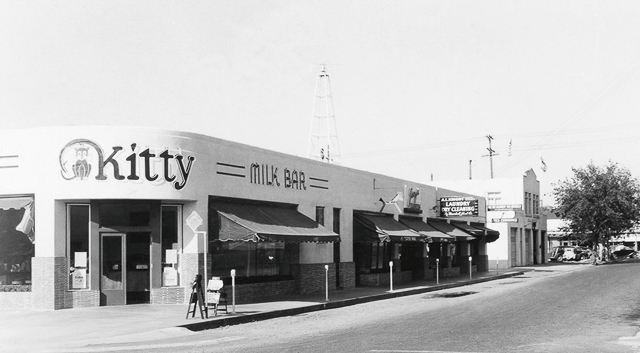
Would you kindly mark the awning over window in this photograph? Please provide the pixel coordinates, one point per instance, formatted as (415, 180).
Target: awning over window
(27, 223)
(450, 229)
(469, 229)
(425, 230)
(260, 222)
(490, 234)
(371, 227)
(15, 203)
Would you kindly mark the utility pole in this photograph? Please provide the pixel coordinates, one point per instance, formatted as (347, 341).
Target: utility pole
(491, 154)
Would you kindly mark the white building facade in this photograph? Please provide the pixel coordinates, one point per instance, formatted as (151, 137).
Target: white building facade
(513, 209)
(100, 216)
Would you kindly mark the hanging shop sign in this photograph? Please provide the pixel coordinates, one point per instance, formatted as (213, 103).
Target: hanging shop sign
(504, 207)
(458, 206)
(504, 220)
(83, 159)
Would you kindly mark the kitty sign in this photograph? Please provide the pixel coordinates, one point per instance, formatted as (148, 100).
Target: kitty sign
(83, 159)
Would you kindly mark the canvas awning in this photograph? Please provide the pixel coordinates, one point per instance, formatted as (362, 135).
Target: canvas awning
(15, 203)
(450, 229)
(469, 229)
(490, 234)
(240, 221)
(425, 230)
(27, 223)
(372, 227)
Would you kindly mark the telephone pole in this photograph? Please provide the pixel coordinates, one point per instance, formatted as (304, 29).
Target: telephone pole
(491, 154)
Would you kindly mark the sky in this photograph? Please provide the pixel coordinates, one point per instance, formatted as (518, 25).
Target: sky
(417, 85)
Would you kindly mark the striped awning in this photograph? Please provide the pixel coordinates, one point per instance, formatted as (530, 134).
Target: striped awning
(382, 227)
(238, 221)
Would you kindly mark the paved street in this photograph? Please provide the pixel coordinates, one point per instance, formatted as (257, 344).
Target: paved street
(541, 311)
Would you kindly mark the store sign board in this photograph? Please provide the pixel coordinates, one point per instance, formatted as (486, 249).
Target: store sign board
(266, 174)
(458, 206)
(504, 220)
(504, 207)
(82, 159)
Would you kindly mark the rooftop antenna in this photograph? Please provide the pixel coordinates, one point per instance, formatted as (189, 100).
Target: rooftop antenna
(323, 137)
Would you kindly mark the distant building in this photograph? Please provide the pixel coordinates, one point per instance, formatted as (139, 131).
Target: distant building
(513, 209)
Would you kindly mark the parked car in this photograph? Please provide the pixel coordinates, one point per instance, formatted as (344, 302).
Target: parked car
(569, 253)
(583, 253)
(621, 252)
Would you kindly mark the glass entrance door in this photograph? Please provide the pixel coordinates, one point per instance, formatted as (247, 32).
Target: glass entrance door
(112, 273)
(138, 251)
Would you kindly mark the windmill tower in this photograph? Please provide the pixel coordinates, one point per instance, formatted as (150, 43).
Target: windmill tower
(323, 138)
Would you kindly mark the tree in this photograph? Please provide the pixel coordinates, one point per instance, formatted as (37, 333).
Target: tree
(598, 202)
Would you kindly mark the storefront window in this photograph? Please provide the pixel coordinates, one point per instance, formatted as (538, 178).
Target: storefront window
(17, 233)
(78, 232)
(249, 259)
(171, 216)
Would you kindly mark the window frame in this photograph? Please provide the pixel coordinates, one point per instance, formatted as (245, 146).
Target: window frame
(68, 245)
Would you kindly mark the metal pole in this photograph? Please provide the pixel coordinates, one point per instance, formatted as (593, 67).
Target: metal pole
(391, 275)
(326, 270)
(233, 292)
(437, 271)
(470, 268)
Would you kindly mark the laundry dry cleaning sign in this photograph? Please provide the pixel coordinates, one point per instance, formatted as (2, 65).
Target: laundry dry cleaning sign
(458, 206)
(83, 159)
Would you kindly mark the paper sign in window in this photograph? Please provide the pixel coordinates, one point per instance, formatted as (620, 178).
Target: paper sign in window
(79, 279)
(80, 259)
(172, 256)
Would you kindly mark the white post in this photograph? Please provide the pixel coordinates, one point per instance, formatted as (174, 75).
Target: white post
(205, 245)
(391, 276)
(470, 267)
(233, 292)
(437, 271)
(326, 277)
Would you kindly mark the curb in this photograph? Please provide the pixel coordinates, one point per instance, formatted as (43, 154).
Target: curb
(237, 320)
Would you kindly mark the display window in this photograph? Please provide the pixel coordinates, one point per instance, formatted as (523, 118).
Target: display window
(171, 243)
(251, 260)
(78, 230)
(17, 237)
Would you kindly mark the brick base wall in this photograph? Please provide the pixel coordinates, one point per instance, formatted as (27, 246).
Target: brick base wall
(192, 264)
(168, 295)
(483, 263)
(256, 292)
(382, 279)
(16, 300)
(347, 273)
(311, 278)
(81, 299)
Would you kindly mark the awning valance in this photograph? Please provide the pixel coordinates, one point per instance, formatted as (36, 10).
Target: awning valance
(425, 230)
(27, 223)
(490, 234)
(450, 229)
(371, 227)
(15, 203)
(469, 229)
(261, 222)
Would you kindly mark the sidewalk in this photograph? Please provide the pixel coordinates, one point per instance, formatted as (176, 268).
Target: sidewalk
(31, 330)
